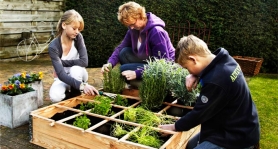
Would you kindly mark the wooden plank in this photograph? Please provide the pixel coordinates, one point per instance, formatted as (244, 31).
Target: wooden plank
(26, 17)
(11, 52)
(28, 5)
(14, 39)
(70, 135)
(46, 141)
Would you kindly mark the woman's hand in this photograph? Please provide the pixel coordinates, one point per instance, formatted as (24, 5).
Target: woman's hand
(129, 74)
(90, 90)
(55, 74)
(105, 67)
(191, 82)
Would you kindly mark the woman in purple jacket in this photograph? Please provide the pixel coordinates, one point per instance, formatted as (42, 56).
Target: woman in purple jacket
(145, 39)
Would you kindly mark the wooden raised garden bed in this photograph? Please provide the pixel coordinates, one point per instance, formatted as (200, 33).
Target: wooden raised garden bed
(52, 126)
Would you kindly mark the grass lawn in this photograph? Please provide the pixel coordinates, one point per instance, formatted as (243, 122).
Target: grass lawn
(264, 90)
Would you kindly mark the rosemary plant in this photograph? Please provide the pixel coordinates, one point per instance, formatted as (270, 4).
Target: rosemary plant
(113, 81)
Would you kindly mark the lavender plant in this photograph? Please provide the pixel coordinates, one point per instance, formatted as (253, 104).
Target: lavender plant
(176, 84)
(153, 89)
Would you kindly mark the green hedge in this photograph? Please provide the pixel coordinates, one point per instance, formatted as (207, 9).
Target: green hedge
(245, 28)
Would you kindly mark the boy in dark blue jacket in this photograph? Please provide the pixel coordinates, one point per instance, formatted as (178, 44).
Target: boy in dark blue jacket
(224, 108)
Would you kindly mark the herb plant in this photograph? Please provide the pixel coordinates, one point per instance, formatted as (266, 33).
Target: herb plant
(102, 105)
(113, 81)
(118, 130)
(153, 89)
(119, 100)
(86, 106)
(82, 122)
(142, 116)
(176, 84)
(146, 136)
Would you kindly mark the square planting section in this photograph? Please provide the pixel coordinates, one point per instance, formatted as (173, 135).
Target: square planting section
(55, 126)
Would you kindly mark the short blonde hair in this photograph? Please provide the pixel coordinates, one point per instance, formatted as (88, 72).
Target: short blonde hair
(129, 12)
(68, 17)
(190, 45)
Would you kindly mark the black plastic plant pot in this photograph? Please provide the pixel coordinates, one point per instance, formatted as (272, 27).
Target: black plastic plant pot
(105, 129)
(169, 98)
(177, 111)
(59, 116)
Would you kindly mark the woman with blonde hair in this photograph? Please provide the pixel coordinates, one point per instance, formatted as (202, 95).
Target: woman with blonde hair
(145, 38)
(69, 58)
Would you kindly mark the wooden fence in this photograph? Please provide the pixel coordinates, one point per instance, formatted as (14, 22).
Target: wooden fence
(19, 16)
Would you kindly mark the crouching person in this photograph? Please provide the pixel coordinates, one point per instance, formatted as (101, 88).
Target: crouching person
(224, 108)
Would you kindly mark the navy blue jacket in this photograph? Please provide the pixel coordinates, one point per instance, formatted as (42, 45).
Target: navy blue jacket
(225, 109)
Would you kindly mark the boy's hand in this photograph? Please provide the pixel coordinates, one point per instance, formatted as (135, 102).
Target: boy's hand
(191, 82)
(168, 127)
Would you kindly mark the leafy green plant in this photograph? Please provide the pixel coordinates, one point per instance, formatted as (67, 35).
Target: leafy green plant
(113, 81)
(153, 89)
(176, 84)
(82, 122)
(119, 100)
(86, 106)
(102, 105)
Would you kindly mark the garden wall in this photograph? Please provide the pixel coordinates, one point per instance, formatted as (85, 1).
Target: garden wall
(19, 16)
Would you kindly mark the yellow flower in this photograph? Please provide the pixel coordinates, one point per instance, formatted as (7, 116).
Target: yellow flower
(22, 86)
(40, 75)
(23, 74)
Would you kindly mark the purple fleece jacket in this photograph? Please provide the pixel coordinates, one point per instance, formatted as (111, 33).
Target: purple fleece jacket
(155, 42)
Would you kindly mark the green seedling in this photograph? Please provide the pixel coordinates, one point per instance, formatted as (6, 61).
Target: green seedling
(82, 122)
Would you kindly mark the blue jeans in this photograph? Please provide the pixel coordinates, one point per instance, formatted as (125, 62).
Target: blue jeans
(129, 61)
(193, 144)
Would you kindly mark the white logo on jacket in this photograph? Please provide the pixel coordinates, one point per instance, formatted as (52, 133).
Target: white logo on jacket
(204, 99)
